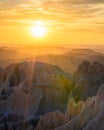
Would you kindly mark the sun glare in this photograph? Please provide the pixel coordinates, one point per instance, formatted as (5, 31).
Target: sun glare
(39, 30)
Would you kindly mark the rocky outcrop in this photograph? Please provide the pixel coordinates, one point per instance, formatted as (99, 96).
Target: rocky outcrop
(52, 120)
(74, 108)
(86, 67)
(33, 88)
(87, 79)
(92, 116)
(97, 123)
(10, 121)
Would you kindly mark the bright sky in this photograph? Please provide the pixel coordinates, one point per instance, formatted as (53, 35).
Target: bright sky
(66, 21)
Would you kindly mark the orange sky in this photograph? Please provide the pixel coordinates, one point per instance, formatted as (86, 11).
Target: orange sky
(67, 21)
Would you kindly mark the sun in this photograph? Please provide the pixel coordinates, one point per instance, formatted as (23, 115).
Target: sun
(39, 29)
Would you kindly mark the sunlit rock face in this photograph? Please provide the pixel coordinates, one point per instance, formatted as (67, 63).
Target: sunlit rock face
(92, 116)
(87, 79)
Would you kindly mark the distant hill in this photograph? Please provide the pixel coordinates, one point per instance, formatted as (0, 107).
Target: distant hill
(70, 60)
(17, 54)
(88, 51)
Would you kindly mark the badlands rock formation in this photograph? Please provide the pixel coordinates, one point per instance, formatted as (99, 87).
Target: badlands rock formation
(52, 120)
(32, 89)
(29, 90)
(92, 116)
(87, 79)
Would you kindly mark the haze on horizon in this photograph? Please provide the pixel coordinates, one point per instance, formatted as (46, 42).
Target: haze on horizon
(68, 21)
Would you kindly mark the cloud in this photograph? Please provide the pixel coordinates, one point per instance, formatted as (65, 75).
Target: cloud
(65, 13)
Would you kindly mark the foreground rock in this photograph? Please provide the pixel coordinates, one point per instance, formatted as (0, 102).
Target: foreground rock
(10, 121)
(28, 90)
(52, 120)
(74, 108)
(92, 116)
